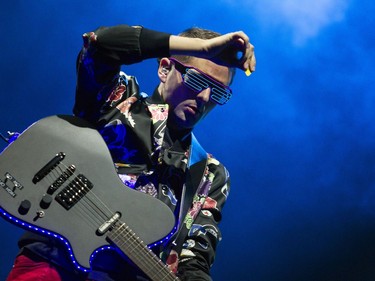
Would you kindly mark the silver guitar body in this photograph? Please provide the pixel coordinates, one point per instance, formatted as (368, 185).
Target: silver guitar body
(58, 179)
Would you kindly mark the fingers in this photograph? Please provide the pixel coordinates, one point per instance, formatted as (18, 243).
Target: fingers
(250, 61)
(233, 50)
(247, 62)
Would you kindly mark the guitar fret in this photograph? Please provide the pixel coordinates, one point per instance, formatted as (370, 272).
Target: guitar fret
(124, 238)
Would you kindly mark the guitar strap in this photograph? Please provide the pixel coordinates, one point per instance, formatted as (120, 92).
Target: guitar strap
(196, 167)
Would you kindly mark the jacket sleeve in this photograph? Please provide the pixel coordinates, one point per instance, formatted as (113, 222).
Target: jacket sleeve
(198, 251)
(99, 62)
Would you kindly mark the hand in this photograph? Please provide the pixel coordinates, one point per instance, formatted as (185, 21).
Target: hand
(232, 50)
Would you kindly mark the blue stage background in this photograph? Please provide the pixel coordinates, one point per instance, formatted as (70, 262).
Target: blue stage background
(298, 137)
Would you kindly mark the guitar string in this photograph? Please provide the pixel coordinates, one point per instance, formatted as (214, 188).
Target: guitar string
(84, 203)
(88, 191)
(161, 270)
(85, 212)
(91, 200)
(128, 247)
(149, 258)
(90, 214)
(135, 240)
(81, 184)
(138, 245)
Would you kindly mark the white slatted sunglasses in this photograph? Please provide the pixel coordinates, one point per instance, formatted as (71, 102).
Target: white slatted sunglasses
(198, 81)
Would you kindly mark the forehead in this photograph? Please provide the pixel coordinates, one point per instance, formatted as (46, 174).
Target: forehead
(220, 73)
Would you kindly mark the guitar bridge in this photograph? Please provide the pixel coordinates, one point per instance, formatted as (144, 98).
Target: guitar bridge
(48, 167)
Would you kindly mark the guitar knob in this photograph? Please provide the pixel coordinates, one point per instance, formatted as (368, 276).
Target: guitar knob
(24, 207)
(46, 201)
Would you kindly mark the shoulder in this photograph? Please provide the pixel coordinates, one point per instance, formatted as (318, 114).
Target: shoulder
(216, 170)
(213, 166)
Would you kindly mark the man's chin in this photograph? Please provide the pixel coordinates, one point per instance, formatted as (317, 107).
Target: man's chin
(182, 123)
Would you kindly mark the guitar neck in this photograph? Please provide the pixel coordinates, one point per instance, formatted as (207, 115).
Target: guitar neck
(134, 248)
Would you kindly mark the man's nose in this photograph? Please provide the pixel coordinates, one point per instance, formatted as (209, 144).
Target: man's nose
(204, 95)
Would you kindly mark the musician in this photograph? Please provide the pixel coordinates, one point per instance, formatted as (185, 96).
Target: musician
(151, 141)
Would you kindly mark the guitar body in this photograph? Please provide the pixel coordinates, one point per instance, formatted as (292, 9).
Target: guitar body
(76, 196)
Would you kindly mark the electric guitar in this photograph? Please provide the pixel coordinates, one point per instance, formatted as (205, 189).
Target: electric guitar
(58, 179)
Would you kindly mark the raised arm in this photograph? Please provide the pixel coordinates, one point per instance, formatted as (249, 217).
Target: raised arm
(231, 49)
(107, 48)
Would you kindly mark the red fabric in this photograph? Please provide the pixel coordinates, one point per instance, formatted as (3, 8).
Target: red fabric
(27, 269)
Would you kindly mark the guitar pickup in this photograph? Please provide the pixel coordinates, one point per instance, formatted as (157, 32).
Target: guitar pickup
(74, 191)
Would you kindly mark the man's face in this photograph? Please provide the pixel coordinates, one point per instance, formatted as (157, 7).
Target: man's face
(188, 107)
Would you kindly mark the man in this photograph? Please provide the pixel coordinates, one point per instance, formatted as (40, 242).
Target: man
(151, 143)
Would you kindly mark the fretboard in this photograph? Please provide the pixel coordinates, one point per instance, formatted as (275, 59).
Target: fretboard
(135, 249)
